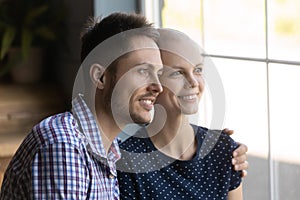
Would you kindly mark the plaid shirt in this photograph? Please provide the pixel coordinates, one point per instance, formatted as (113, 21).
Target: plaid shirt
(63, 158)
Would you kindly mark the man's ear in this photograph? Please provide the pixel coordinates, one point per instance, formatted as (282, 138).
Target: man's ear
(97, 75)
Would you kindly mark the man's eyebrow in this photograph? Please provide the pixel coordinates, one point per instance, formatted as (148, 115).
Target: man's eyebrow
(147, 64)
(142, 63)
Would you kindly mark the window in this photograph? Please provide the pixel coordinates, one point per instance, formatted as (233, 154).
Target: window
(255, 45)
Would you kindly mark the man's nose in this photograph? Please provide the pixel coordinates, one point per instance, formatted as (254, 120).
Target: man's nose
(155, 88)
(155, 85)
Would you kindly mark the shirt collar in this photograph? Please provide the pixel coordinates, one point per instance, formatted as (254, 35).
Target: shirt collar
(91, 131)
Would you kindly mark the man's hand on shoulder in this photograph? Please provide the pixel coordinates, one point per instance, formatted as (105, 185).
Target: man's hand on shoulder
(239, 159)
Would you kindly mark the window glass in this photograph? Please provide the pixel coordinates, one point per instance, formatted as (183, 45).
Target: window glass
(234, 27)
(245, 86)
(284, 29)
(184, 16)
(285, 137)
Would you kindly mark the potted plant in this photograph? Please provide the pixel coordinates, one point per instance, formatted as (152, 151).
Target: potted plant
(25, 24)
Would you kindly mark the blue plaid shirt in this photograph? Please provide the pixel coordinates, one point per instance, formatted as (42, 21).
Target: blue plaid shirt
(63, 158)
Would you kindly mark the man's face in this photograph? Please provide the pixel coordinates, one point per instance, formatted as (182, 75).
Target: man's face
(136, 84)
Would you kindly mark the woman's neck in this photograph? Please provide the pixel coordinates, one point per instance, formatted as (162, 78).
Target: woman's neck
(176, 138)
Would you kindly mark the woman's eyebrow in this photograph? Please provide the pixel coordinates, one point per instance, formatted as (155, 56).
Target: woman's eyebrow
(199, 65)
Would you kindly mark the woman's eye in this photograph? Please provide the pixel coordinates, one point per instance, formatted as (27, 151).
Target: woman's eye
(198, 70)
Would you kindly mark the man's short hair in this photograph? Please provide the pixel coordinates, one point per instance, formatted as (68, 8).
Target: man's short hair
(97, 30)
(106, 41)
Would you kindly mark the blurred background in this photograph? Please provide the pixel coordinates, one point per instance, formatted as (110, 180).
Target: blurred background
(255, 45)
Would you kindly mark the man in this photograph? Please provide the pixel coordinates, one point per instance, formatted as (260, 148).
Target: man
(72, 155)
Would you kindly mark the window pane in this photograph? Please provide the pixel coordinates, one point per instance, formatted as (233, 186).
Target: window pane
(245, 86)
(184, 16)
(285, 137)
(284, 29)
(105, 7)
(234, 27)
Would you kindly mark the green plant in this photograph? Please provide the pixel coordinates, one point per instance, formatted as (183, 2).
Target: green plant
(27, 23)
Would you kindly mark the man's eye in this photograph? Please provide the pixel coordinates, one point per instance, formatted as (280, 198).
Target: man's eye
(143, 71)
(177, 73)
(160, 73)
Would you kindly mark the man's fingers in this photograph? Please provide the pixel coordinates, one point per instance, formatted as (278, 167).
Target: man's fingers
(239, 159)
(242, 149)
(241, 166)
(227, 131)
(244, 173)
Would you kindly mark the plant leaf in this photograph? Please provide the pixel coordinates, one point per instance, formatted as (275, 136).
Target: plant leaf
(7, 40)
(46, 33)
(33, 13)
(26, 41)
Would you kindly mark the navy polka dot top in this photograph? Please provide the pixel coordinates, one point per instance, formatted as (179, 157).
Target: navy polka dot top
(146, 173)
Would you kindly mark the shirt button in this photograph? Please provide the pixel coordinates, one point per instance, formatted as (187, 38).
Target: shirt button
(111, 176)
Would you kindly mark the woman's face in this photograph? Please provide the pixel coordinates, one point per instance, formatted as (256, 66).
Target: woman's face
(182, 82)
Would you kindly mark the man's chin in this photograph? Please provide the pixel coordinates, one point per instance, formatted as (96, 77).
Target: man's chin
(141, 119)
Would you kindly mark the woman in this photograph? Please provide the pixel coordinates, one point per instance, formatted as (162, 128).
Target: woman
(171, 158)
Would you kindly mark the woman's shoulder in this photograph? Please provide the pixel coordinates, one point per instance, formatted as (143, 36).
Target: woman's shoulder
(214, 138)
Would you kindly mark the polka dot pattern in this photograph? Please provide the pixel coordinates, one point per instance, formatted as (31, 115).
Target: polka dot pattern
(207, 175)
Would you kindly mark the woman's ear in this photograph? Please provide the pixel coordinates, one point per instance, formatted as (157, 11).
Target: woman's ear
(97, 75)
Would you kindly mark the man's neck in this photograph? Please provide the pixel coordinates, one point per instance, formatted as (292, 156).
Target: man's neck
(108, 129)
